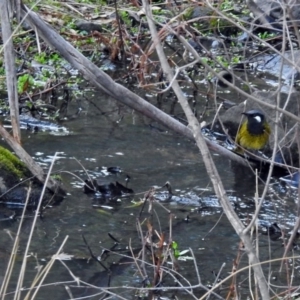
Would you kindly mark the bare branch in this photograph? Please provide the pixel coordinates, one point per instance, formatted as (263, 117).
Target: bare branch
(207, 158)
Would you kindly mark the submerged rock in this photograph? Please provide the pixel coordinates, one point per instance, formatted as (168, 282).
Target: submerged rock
(106, 188)
(275, 10)
(189, 198)
(278, 66)
(88, 26)
(32, 123)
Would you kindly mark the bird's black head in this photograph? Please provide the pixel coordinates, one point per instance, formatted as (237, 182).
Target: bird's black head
(255, 121)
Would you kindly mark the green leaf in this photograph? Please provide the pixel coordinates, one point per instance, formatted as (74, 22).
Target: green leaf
(174, 245)
(25, 82)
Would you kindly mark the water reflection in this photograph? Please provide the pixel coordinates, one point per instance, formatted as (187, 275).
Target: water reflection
(150, 157)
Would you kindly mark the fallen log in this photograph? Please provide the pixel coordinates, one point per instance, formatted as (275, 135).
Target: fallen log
(33, 167)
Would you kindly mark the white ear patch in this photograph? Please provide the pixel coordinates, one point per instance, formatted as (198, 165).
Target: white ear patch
(258, 119)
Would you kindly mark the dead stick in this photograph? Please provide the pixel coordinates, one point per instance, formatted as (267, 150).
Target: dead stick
(10, 70)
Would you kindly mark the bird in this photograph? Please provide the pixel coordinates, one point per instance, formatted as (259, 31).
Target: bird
(254, 132)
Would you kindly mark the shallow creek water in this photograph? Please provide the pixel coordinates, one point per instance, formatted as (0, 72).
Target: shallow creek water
(151, 156)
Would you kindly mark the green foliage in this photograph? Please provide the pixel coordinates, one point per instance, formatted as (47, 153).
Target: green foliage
(205, 60)
(41, 58)
(187, 14)
(125, 17)
(236, 59)
(29, 104)
(158, 12)
(90, 40)
(55, 57)
(265, 35)
(71, 24)
(176, 252)
(44, 59)
(56, 177)
(25, 82)
(134, 30)
(219, 24)
(213, 23)
(201, 27)
(226, 5)
(223, 61)
(159, 17)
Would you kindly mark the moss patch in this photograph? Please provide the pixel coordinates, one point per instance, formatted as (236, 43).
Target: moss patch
(11, 163)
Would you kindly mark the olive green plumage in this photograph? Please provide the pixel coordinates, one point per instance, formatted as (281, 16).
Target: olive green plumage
(254, 132)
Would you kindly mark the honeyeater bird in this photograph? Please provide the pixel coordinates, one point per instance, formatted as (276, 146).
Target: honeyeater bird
(254, 132)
